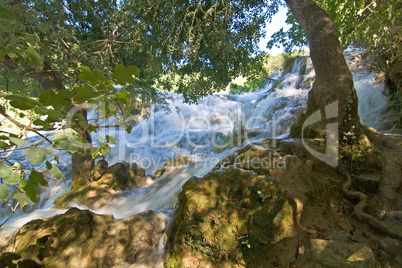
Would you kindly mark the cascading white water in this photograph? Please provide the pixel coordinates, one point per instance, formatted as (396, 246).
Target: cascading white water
(195, 130)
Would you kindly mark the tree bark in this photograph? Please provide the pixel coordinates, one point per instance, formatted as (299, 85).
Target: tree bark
(333, 82)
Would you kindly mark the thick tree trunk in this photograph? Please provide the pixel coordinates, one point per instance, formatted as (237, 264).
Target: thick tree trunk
(333, 81)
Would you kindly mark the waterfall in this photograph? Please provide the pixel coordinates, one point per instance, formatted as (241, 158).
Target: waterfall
(196, 131)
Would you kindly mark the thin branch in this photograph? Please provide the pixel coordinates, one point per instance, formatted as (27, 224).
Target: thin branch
(11, 214)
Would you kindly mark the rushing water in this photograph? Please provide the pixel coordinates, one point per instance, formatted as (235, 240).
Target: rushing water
(198, 131)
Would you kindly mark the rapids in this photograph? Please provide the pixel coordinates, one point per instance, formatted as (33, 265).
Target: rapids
(202, 132)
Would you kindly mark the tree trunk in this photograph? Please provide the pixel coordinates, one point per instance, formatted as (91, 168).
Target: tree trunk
(333, 81)
(81, 164)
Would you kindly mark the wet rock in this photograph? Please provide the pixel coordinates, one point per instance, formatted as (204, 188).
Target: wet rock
(230, 218)
(175, 162)
(80, 238)
(118, 177)
(335, 253)
(254, 158)
(123, 176)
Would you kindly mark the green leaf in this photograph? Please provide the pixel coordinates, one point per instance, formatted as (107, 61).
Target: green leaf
(95, 153)
(58, 101)
(22, 102)
(31, 190)
(94, 77)
(62, 99)
(123, 96)
(47, 97)
(4, 145)
(43, 123)
(14, 178)
(37, 155)
(21, 197)
(54, 115)
(84, 94)
(4, 192)
(55, 171)
(37, 178)
(35, 58)
(41, 110)
(80, 119)
(5, 170)
(17, 141)
(110, 139)
(68, 140)
(125, 75)
(129, 128)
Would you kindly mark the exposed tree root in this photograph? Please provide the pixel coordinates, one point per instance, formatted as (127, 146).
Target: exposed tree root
(358, 210)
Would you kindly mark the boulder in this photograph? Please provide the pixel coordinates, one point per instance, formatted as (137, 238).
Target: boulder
(254, 158)
(175, 162)
(123, 176)
(105, 185)
(230, 218)
(80, 238)
(335, 253)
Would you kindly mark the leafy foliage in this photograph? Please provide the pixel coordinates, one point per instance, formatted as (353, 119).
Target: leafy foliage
(57, 110)
(99, 92)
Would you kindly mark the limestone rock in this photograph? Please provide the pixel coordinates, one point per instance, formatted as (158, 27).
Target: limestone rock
(80, 238)
(254, 158)
(172, 163)
(230, 218)
(122, 176)
(118, 177)
(333, 253)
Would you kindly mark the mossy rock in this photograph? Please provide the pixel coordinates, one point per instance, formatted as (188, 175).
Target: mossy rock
(80, 238)
(229, 218)
(122, 176)
(254, 158)
(118, 177)
(330, 253)
(9, 260)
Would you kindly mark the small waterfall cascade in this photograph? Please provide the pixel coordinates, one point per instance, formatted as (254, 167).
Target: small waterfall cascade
(371, 93)
(203, 133)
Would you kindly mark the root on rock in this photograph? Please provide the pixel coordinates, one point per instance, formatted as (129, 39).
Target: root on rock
(358, 210)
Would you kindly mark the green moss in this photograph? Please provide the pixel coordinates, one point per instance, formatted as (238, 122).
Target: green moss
(231, 225)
